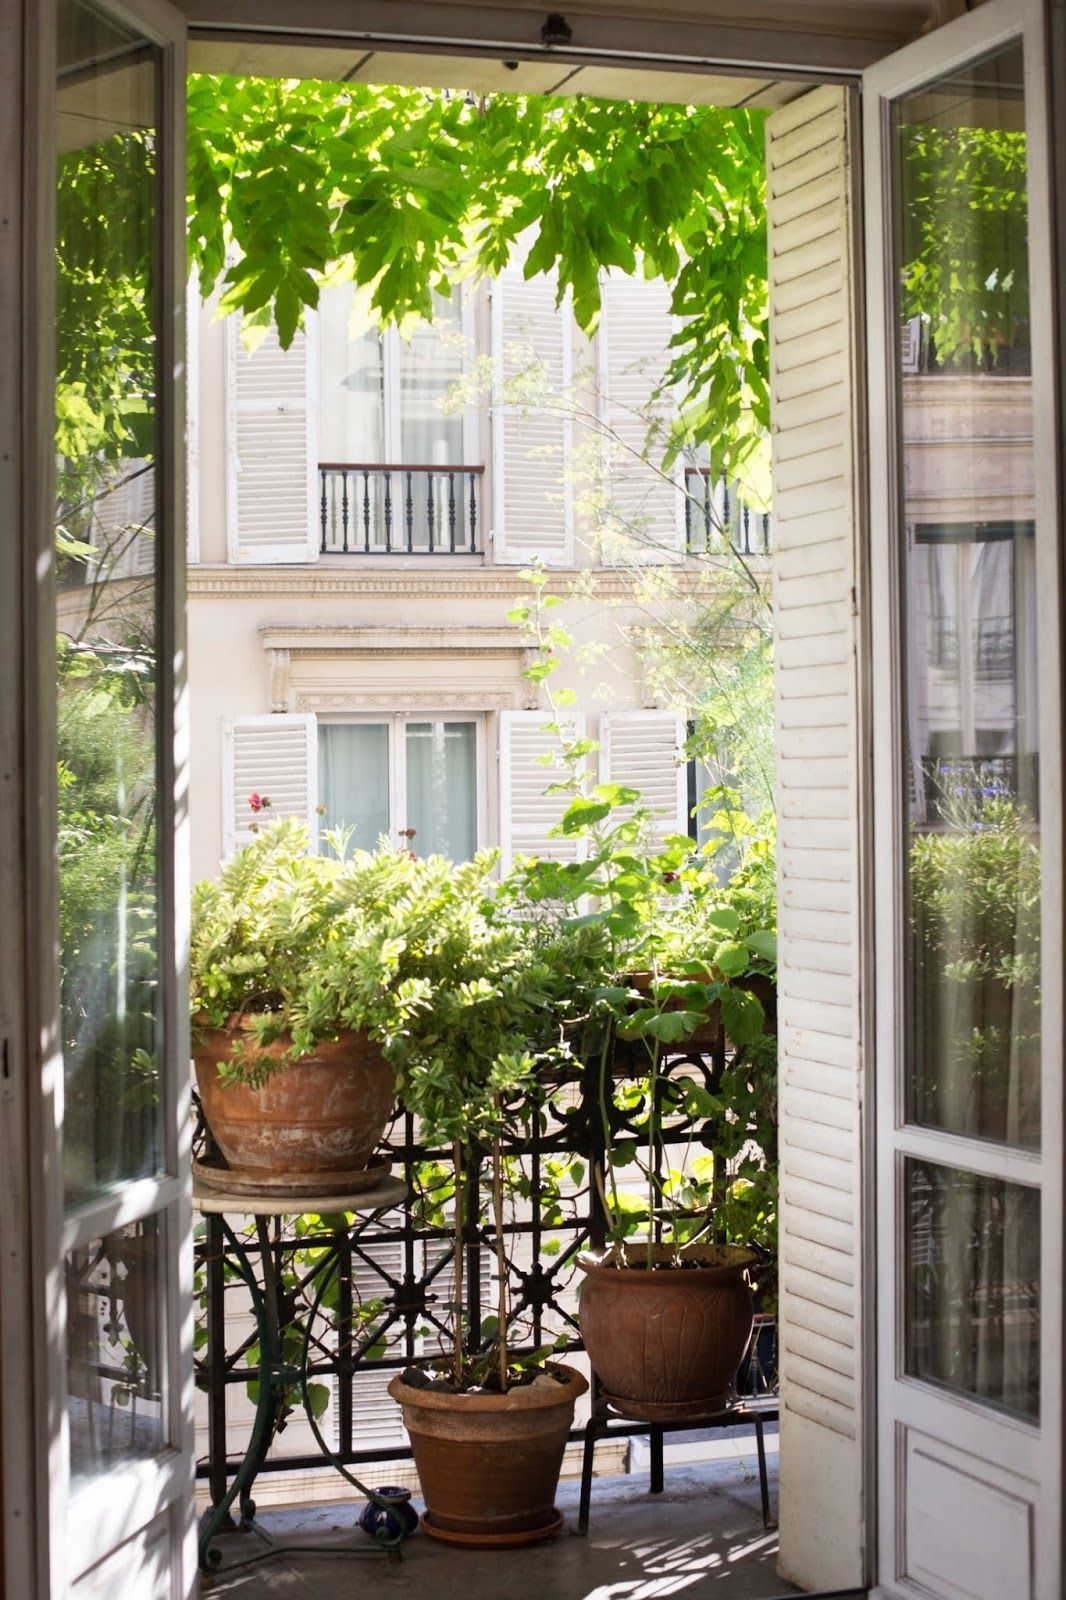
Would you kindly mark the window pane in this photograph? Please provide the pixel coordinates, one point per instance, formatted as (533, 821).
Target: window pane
(431, 363)
(973, 1285)
(353, 779)
(106, 523)
(115, 1401)
(442, 788)
(352, 420)
(967, 545)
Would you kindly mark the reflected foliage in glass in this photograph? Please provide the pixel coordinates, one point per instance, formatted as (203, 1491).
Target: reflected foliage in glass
(967, 546)
(106, 523)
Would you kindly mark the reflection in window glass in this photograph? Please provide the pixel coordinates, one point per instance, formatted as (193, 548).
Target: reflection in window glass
(973, 1285)
(106, 525)
(442, 788)
(116, 1378)
(967, 543)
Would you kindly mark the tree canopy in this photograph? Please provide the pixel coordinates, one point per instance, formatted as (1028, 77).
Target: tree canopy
(405, 190)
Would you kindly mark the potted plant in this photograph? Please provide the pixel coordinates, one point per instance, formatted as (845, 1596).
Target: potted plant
(666, 1319)
(488, 1433)
(314, 979)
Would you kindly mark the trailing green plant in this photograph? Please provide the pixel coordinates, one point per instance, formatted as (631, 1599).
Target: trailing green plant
(682, 948)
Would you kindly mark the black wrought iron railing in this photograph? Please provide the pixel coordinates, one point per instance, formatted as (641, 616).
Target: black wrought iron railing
(716, 515)
(392, 1303)
(375, 509)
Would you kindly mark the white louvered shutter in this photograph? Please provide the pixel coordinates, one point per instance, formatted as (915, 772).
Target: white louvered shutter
(816, 527)
(532, 496)
(645, 750)
(645, 512)
(275, 756)
(527, 813)
(193, 312)
(272, 510)
(377, 1423)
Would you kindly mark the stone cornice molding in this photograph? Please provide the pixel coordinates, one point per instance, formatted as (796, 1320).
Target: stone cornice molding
(318, 638)
(485, 583)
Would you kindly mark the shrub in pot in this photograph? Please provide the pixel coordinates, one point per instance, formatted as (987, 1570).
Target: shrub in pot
(316, 980)
(665, 1320)
(488, 1433)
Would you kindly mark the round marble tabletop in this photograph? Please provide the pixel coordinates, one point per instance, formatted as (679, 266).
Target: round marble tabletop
(216, 1202)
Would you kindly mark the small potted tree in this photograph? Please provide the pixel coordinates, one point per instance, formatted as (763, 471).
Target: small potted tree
(665, 1319)
(488, 1434)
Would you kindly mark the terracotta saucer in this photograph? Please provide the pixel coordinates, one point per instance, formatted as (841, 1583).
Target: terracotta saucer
(496, 1541)
(216, 1174)
(669, 1411)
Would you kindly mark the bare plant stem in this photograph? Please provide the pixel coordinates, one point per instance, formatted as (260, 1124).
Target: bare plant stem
(501, 1258)
(460, 1247)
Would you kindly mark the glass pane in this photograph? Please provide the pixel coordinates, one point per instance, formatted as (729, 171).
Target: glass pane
(431, 364)
(353, 779)
(442, 788)
(106, 523)
(352, 415)
(973, 1285)
(116, 1375)
(967, 544)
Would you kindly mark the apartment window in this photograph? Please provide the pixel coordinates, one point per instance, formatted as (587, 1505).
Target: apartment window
(405, 771)
(382, 396)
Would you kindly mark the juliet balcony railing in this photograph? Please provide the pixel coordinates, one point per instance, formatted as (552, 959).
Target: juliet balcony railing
(374, 509)
(716, 514)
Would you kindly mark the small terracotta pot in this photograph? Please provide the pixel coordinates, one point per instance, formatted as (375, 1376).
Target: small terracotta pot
(489, 1464)
(323, 1113)
(667, 1343)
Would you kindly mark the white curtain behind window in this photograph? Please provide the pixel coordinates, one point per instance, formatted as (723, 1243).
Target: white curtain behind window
(442, 788)
(352, 420)
(353, 779)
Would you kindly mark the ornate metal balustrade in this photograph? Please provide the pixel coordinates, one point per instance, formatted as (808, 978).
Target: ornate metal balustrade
(371, 509)
(392, 1302)
(715, 514)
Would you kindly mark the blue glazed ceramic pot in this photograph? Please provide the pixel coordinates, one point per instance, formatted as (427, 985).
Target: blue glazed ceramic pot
(398, 1518)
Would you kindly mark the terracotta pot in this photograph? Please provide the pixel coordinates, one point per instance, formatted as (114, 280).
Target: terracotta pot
(667, 1343)
(322, 1113)
(489, 1463)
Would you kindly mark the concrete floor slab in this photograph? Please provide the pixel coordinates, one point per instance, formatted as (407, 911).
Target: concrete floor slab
(703, 1536)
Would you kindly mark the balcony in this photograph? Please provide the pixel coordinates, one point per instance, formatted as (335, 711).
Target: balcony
(716, 514)
(374, 509)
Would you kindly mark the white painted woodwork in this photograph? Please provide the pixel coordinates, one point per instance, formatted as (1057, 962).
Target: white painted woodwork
(532, 425)
(527, 812)
(272, 501)
(275, 757)
(969, 1498)
(194, 310)
(815, 533)
(645, 750)
(644, 504)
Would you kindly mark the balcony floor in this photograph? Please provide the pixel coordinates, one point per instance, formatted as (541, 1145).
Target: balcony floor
(704, 1533)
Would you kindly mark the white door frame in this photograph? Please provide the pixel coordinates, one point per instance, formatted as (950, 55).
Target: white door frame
(47, 1539)
(1018, 1450)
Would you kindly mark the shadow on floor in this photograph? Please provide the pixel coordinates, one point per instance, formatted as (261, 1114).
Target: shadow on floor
(704, 1535)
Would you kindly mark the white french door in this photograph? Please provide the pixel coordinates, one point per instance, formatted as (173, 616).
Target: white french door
(965, 537)
(116, 1236)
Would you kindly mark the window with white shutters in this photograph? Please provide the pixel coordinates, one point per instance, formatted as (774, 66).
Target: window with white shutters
(532, 496)
(644, 511)
(527, 812)
(645, 750)
(275, 758)
(272, 468)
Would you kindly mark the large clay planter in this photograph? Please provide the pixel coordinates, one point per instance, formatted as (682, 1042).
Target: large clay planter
(323, 1113)
(666, 1344)
(489, 1464)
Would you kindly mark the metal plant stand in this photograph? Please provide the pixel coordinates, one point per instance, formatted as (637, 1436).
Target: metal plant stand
(279, 1375)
